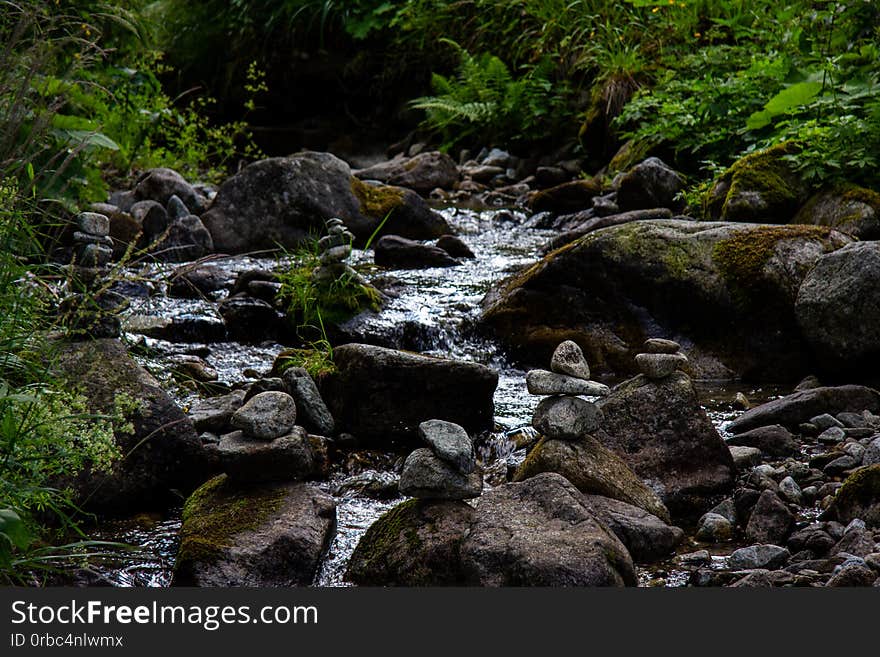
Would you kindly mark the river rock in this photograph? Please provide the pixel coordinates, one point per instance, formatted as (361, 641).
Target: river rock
(215, 413)
(190, 282)
(397, 252)
(269, 535)
(312, 412)
(151, 217)
(645, 535)
(161, 184)
(771, 557)
(568, 197)
(417, 543)
(566, 418)
(266, 416)
(428, 477)
(616, 286)
(852, 574)
(542, 382)
(872, 453)
(649, 184)
(859, 497)
(838, 309)
(665, 436)
(422, 173)
(659, 366)
(163, 453)
(771, 521)
(281, 201)
(714, 528)
(382, 395)
(847, 208)
(745, 457)
(540, 532)
(455, 247)
(186, 239)
(293, 457)
(451, 443)
(774, 440)
(791, 410)
(93, 223)
(592, 469)
(661, 346)
(568, 359)
(248, 319)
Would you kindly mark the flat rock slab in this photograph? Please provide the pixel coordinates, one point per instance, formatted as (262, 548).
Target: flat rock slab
(542, 382)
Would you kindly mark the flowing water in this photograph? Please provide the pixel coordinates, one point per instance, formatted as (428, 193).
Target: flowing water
(434, 313)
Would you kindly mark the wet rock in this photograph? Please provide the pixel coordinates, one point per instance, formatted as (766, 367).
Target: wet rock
(852, 574)
(813, 538)
(540, 532)
(249, 319)
(176, 209)
(397, 252)
(770, 557)
(774, 440)
(790, 491)
(417, 543)
(592, 469)
(266, 416)
(841, 465)
(427, 477)
(455, 247)
(745, 457)
(192, 368)
(645, 535)
(382, 395)
(665, 436)
(825, 421)
(831, 436)
(792, 410)
(161, 184)
(542, 382)
(422, 173)
(372, 484)
(568, 197)
(293, 457)
(151, 217)
(838, 309)
(214, 414)
(281, 201)
(312, 412)
(714, 528)
(649, 184)
(566, 418)
(450, 443)
(859, 497)
(568, 359)
(270, 535)
(190, 282)
(163, 452)
(187, 239)
(858, 542)
(771, 521)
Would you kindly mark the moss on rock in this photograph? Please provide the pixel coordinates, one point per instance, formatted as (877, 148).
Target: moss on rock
(859, 497)
(376, 201)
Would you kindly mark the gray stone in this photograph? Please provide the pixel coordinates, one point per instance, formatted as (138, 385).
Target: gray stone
(714, 528)
(859, 497)
(312, 412)
(825, 421)
(661, 346)
(790, 491)
(422, 173)
(852, 420)
(215, 413)
(425, 476)
(542, 382)
(770, 557)
(727, 509)
(774, 440)
(841, 465)
(396, 252)
(176, 209)
(455, 247)
(94, 255)
(852, 574)
(372, 484)
(771, 521)
(872, 453)
(80, 237)
(451, 443)
(745, 457)
(660, 366)
(293, 457)
(161, 184)
(266, 416)
(566, 418)
(832, 436)
(93, 223)
(649, 184)
(568, 359)
(335, 254)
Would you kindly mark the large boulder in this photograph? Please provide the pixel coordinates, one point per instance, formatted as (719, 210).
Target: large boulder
(760, 187)
(838, 308)
(159, 185)
(847, 208)
(282, 201)
(665, 436)
(541, 532)
(422, 173)
(708, 284)
(161, 454)
(417, 543)
(592, 469)
(796, 408)
(382, 395)
(265, 535)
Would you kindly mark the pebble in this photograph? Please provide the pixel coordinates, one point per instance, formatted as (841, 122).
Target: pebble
(542, 382)
(568, 359)
(451, 443)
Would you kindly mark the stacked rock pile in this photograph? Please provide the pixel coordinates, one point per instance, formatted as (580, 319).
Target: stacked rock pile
(335, 249)
(447, 469)
(563, 414)
(89, 310)
(268, 446)
(660, 359)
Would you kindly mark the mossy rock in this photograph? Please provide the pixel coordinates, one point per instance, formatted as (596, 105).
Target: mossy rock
(258, 535)
(848, 208)
(761, 187)
(859, 497)
(417, 543)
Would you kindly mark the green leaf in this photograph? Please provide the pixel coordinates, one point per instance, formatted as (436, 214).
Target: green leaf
(793, 96)
(13, 527)
(759, 120)
(92, 139)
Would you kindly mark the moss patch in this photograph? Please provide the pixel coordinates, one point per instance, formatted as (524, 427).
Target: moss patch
(376, 202)
(860, 490)
(381, 539)
(218, 511)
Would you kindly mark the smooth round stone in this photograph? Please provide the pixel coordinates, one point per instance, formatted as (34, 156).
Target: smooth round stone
(661, 346)
(335, 254)
(93, 223)
(426, 476)
(569, 359)
(451, 443)
(266, 416)
(659, 366)
(566, 418)
(714, 528)
(176, 208)
(542, 382)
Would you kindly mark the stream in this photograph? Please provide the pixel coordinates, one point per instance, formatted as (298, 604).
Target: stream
(434, 313)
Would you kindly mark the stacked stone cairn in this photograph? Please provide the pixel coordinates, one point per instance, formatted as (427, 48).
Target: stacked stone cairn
(335, 249)
(90, 310)
(660, 359)
(563, 414)
(267, 445)
(446, 469)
